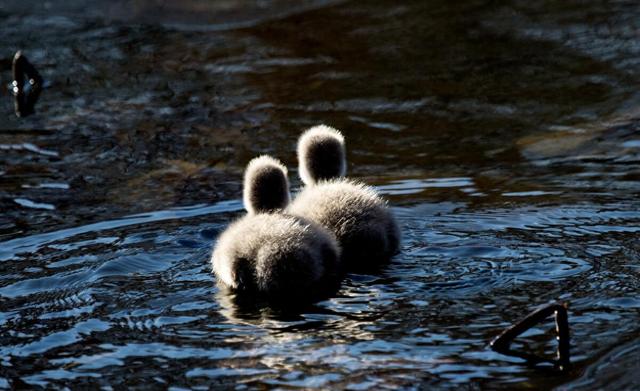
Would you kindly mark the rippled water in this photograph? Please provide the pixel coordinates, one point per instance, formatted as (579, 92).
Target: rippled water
(505, 138)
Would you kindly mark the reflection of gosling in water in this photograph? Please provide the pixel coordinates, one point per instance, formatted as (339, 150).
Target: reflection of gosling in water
(365, 228)
(270, 252)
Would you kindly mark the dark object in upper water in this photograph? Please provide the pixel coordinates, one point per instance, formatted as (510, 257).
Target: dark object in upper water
(269, 254)
(27, 85)
(502, 343)
(358, 217)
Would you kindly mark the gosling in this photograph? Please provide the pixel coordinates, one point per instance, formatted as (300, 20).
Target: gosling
(359, 218)
(270, 254)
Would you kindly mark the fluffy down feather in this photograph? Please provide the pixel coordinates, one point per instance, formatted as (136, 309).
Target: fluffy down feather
(266, 186)
(365, 228)
(269, 253)
(321, 154)
(277, 255)
(363, 225)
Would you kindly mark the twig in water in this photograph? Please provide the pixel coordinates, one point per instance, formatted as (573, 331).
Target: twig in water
(502, 343)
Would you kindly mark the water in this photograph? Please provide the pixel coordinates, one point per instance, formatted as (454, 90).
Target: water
(505, 138)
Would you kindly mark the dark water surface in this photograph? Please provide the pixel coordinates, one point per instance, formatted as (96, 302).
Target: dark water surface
(506, 137)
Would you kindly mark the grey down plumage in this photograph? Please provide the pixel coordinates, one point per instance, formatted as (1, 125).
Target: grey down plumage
(365, 229)
(269, 251)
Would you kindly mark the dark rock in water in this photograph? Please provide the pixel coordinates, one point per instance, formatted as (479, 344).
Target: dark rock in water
(27, 85)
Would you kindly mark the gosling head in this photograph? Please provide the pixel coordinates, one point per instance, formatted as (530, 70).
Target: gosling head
(321, 154)
(266, 187)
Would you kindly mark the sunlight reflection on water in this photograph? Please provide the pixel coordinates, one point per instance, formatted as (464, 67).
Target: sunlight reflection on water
(509, 160)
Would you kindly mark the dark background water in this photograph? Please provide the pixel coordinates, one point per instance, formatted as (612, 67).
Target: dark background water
(504, 134)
